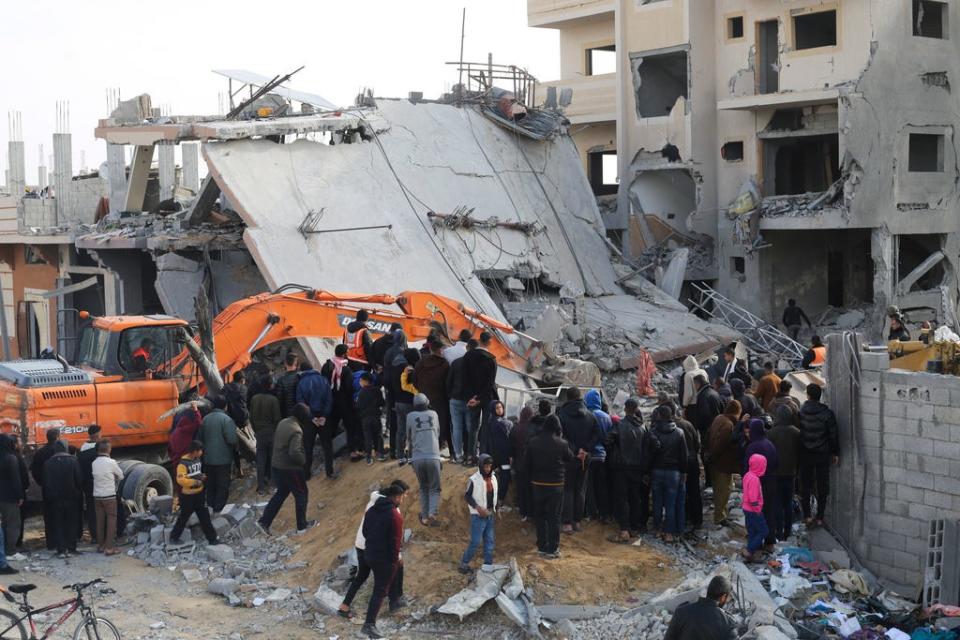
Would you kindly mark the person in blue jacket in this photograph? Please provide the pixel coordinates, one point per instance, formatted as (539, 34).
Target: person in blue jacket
(314, 391)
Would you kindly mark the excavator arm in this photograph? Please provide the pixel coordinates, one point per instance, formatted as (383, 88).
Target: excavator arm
(299, 312)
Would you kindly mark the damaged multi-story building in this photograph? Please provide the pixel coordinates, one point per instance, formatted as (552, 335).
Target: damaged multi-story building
(802, 149)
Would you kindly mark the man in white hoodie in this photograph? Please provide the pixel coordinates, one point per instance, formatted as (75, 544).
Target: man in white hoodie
(363, 569)
(686, 390)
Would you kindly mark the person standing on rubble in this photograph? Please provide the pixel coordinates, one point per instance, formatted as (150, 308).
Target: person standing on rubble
(709, 405)
(192, 480)
(481, 497)
(423, 434)
(13, 494)
(785, 437)
(370, 407)
(396, 598)
(820, 447)
(430, 376)
(287, 384)
(686, 389)
(752, 504)
(792, 318)
(759, 444)
(748, 401)
(219, 436)
(630, 450)
(784, 399)
(547, 458)
(86, 457)
(500, 450)
(667, 472)
(519, 440)
(462, 436)
(356, 337)
(264, 416)
(459, 348)
(598, 484)
(106, 476)
(704, 619)
(767, 386)
(63, 486)
(723, 455)
(393, 359)
(339, 375)
(581, 432)
(690, 498)
(404, 391)
(40, 458)
(480, 386)
(314, 391)
(288, 461)
(816, 355)
(383, 536)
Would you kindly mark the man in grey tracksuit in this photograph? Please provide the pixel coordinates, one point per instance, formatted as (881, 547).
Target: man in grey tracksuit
(423, 434)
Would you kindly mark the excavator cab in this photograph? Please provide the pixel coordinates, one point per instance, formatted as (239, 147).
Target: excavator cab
(133, 347)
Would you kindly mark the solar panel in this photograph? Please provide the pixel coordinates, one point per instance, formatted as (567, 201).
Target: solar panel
(249, 77)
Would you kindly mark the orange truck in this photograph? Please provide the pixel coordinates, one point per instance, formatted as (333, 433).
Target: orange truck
(132, 371)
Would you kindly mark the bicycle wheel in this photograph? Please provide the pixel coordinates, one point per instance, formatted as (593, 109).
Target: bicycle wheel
(10, 627)
(97, 629)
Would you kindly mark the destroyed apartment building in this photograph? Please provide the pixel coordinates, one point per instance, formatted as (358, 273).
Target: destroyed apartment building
(460, 197)
(762, 136)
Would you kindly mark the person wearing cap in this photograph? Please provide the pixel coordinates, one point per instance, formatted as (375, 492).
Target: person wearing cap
(546, 460)
(897, 329)
(481, 497)
(423, 435)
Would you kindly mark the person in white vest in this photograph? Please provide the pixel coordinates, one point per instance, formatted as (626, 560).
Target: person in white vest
(481, 497)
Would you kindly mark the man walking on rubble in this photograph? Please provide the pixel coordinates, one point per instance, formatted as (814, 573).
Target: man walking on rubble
(705, 618)
(383, 535)
(792, 318)
(819, 448)
(219, 436)
(547, 457)
(192, 479)
(423, 433)
(287, 462)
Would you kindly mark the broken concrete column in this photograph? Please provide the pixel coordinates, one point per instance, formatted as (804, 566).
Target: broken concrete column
(17, 176)
(117, 176)
(190, 159)
(62, 174)
(884, 262)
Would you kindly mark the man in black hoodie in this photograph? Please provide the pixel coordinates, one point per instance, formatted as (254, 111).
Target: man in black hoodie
(463, 440)
(383, 536)
(339, 371)
(63, 484)
(582, 433)
(480, 387)
(12, 494)
(40, 458)
(286, 388)
(819, 448)
(709, 406)
(667, 476)
(391, 378)
(546, 460)
(629, 451)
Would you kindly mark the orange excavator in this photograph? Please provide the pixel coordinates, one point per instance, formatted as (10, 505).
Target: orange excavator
(132, 371)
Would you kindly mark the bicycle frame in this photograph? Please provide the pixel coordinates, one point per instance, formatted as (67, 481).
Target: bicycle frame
(75, 604)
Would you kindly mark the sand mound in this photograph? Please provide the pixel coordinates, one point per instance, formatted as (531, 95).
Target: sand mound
(591, 571)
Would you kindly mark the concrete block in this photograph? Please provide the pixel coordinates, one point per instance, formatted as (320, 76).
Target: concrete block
(192, 575)
(895, 408)
(889, 541)
(911, 461)
(895, 474)
(897, 507)
(185, 537)
(955, 396)
(901, 426)
(949, 450)
(220, 553)
(871, 455)
(940, 396)
(895, 524)
(156, 534)
(909, 494)
(938, 500)
(920, 411)
(161, 505)
(221, 526)
(920, 479)
(947, 415)
(946, 485)
(935, 465)
(223, 586)
(326, 599)
(870, 361)
(893, 458)
(923, 512)
(869, 405)
(935, 430)
(905, 560)
(870, 437)
(237, 515)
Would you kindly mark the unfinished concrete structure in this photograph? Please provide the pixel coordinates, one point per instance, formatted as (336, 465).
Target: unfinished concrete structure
(858, 195)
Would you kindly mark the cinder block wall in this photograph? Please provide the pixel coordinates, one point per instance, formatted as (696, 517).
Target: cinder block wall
(900, 468)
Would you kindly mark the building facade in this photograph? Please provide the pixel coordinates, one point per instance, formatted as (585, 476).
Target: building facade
(801, 148)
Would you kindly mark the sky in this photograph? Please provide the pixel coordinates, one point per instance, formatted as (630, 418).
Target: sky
(77, 51)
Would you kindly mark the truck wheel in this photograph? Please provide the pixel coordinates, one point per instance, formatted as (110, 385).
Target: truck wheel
(144, 481)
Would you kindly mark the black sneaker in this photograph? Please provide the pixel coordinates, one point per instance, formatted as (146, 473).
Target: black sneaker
(465, 570)
(371, 630)
(399, 603)
(369, 460)
(310, 524)
(8, 571)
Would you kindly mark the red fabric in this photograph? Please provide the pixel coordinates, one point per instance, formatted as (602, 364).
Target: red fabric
(185, 428)
(645, 371)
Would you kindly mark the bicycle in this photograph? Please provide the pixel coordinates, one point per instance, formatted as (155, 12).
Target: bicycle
(92, 627)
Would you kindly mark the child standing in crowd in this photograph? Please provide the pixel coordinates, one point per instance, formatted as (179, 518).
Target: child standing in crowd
(753, 506)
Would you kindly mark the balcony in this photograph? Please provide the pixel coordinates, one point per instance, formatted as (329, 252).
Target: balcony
(556, 13)
(594, 97)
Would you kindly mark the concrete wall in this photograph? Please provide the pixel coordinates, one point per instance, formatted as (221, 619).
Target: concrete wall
(900, 461)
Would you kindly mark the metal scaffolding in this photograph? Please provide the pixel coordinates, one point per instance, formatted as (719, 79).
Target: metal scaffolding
(759, 334)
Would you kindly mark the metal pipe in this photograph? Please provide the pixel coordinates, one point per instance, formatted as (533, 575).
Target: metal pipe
(317, 231)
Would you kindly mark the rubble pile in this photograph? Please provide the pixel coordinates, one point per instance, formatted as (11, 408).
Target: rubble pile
(236, 568)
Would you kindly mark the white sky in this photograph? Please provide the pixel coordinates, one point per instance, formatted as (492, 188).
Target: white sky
(70, 50)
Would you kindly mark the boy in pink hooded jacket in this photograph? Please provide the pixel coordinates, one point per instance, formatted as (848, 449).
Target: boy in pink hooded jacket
(753, 505)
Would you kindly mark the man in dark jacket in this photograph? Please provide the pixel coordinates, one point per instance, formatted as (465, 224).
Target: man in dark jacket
(313, 390)
(709, 406)
(393, 358)
(383, 535)
(86, 456)
(748, 401)
(705, 618)
(63, 482)
(219, 436)
(40, 458)
(287, 384)
(480, 386)
(581, 432)
(819, 448)
(519, 439)
(784, 399)
(287, 462)
(12, 495)
(264, 417)
(786, 439)
(629, 449)
(667, 476)
(339, 374)
(546, 458)
(378, 350)
(370, 407)
(430, 378)
(462, 437)
(793, 316)
(692, 504)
